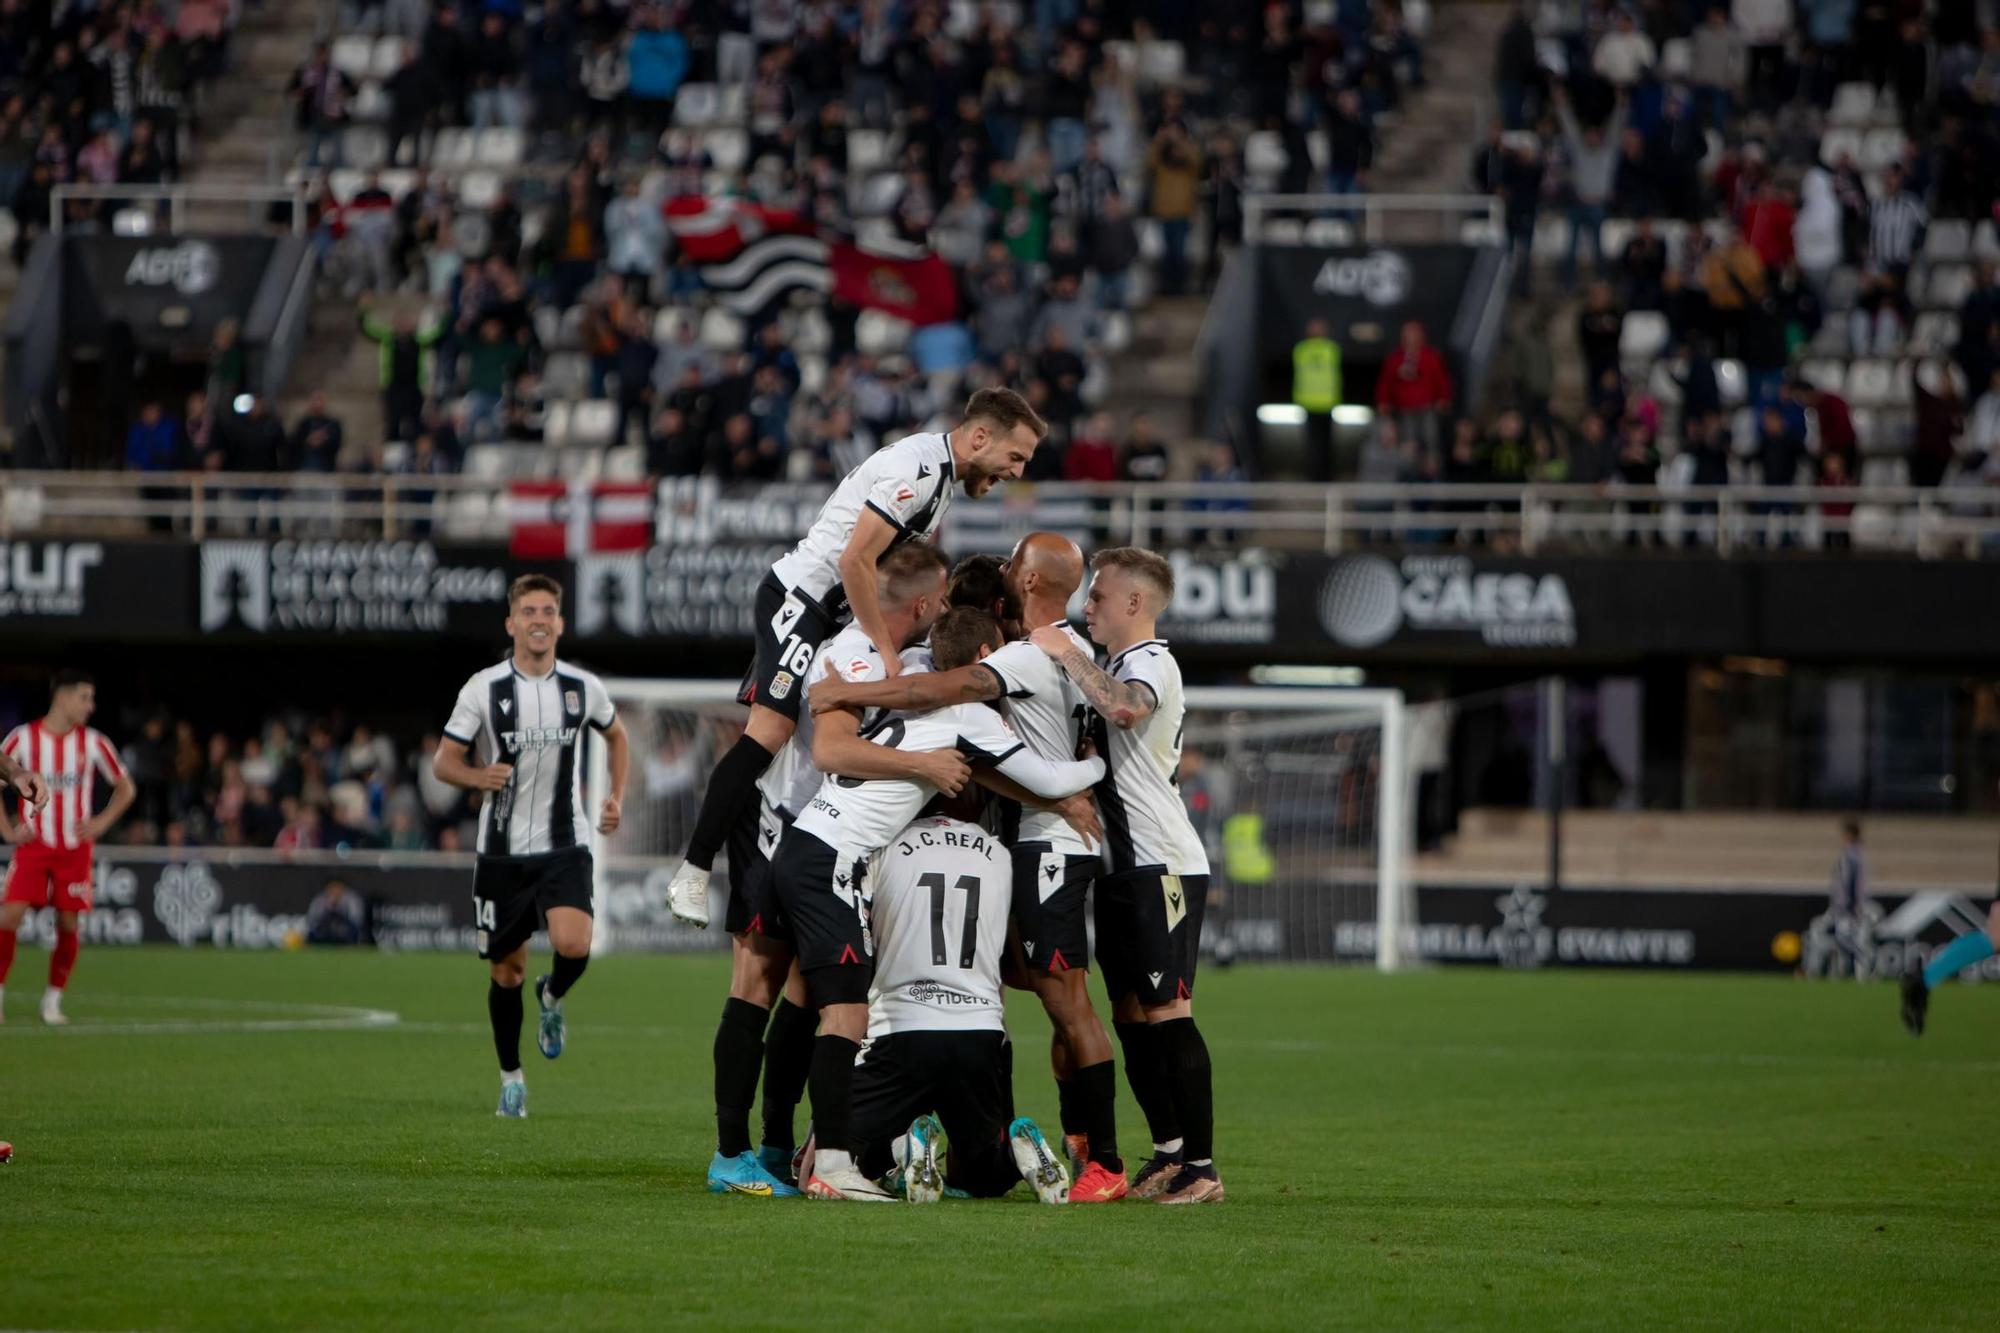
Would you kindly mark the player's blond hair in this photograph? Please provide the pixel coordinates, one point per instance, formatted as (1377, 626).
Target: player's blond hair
(1149, 567)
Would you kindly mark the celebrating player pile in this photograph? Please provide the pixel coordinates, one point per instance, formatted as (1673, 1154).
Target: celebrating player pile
(841, 866)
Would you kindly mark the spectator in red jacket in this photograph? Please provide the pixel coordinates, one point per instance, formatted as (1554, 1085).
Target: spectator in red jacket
(1415, 388)
(1767, 225)
(1093, 454)
(1836, 426)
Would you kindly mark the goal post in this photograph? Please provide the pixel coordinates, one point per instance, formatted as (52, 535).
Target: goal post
(1303, 798)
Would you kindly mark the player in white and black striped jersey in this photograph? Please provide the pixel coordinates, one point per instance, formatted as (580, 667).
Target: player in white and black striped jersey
(517, 734)
(899, 495)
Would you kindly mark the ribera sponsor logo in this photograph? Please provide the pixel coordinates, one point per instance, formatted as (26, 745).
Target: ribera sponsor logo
(698, 511)
(47, 578)
(1367, 600)
(338, 586)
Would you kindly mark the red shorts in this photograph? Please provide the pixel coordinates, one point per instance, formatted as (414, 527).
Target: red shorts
(42, 876)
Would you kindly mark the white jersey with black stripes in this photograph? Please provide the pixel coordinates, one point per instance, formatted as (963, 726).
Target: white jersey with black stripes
(536, 724)
(1139, 800)
(908, 485)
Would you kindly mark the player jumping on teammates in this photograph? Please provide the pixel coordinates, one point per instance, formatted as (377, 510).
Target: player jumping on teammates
(53, 840)
(1149, 907)
(937, 1062)
(819, 881)
(1053, 865)
(517, 735)
(910, 588)
(899, 494)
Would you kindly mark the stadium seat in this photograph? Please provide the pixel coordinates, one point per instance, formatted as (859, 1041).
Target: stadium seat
(1853, 105)
(1478, 231)
(1264, 158)
(1945, 287)
(354, 57)
(1615, 234)
(1329, 232)
(1122, 55)
(697, 105)
(1283, 231)
(1161, 62)
(1867, 425)
(878, 334)
(1935, 334)
(1660, 383)
(1868, 382)
(812, 372)
(1551, 238)
(1676, 58)
(964, 19)
(1880, 148)
(1316, 150)
(468, 513)
(721, 331)
(580, 464)
(132, 222)
(365, 147)
(548, 326)
(395, 456)
(565, 375)
(555, 423)
(667, 323)
(1986, 240)
(1823, 373)
(502, 146)
(729, 146)
(1151, 246)
(1934, 371)
(1948, 241)
(344, 182)
(1883, 470)
(370, 103)
(398, 180)
(867, 150)
(1117, 334)
(1838, 143)
(1096, 383)
(569, 333)
(811, 334)
(388, 57)
(487, 462)
(735, 58)
(1643, 337)
(451, 150)
(1730, 379)
(10, 230)
(876, 195)
(478, 189)
(1843, 287)
(733, 107)
(591, 423)
(625, 462)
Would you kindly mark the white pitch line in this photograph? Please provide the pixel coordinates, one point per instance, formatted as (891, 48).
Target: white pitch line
(1747, 1059)
(308, 1018)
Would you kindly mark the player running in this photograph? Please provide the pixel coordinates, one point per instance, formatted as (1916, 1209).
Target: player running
(936, 1062)
(899, 494)
(910, 588)
(819, 880)
(55, 837)
(1053, 864)
(1150, 905)
(517, 734)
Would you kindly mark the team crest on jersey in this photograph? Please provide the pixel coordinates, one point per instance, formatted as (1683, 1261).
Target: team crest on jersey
(781, 685)
(571, 704)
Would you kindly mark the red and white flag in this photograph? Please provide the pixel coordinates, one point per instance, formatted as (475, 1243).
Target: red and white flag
(908, 282)
(714, 231)
(551, 519)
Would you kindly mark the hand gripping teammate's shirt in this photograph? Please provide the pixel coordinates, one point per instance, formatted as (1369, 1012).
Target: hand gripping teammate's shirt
(1145, 823)
(861, 817)
(908, 485)
(503, 716)
(1049, 712)
(939, 917)
(791, 780)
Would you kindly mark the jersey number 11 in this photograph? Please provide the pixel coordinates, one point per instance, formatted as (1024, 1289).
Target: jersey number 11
(969, 937)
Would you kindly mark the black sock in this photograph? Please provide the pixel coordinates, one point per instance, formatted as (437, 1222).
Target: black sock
(833, 1091)
(1188, 1075)
(1146, 1071)
(739, 1053)
(1094, 1090)
(1072, 1118)
(565, 974)
(731, 796)
(788, 1055)
(503, 1006)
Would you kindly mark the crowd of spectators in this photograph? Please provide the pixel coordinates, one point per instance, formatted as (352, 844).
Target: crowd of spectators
(99, 94)
(296, 783)
(1065, 159)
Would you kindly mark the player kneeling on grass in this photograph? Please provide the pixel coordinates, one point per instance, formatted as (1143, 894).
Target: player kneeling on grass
(54, 840)
(819, 880)
(937, 1062)
(517, 735)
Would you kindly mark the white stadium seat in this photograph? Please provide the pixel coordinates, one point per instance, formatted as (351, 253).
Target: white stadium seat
(353, 56)
(388, 57)
(1948, 241)
(1643, 337)
(1730, 379)
(502, 146)
(1853, 105)
(1935, 334)
(555, 424)
(729, 146)
(1825, 373)
(1838, 143)
(591, 423)
(451, 150)
(867, 150)
(478, 190)
(1946, 287)
(487, 462)
(625, 462)
(468, 513)
(697, 104)
(877, 334)
(365, 147)
(1881, 148)
(722, 331)
(1329, 232)
(1161, 62)
(1869, 382)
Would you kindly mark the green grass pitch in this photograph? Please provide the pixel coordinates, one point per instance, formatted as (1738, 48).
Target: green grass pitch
(1449, 1149)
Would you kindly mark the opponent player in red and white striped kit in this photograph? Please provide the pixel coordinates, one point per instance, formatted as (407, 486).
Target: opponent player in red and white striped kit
(53, 842)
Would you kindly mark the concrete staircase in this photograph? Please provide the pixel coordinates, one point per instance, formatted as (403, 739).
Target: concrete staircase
(1157, 374)
(247, 120)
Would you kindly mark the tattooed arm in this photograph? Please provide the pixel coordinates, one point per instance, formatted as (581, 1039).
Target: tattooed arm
(1123, 703)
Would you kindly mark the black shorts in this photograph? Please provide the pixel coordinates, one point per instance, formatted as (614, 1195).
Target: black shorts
(817, 893)
(789, 628)
(751, 909)
(512, 895)
(965, 1078)
(1149, 933)
(1050, 889)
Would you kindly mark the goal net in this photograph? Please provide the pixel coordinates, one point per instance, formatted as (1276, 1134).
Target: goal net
(1301, 796)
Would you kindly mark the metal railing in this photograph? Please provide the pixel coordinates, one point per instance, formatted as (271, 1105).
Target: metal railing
(177, 199)
(1374, 210)
(1931, 523)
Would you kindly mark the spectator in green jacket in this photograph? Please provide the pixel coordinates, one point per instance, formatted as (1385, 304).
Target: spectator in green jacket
(490, 368)
(406, 367)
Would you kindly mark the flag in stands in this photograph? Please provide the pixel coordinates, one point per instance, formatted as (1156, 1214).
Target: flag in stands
(710, 231)
(905, 281)
(752, 284)
(550, 519)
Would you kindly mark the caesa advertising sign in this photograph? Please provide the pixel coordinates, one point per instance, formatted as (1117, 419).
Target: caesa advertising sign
(1368, 601)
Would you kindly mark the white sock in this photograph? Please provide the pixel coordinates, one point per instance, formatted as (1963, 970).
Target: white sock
(829, 1160)
(1169, 1148)
(512, 1076)
(1206, 1161)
